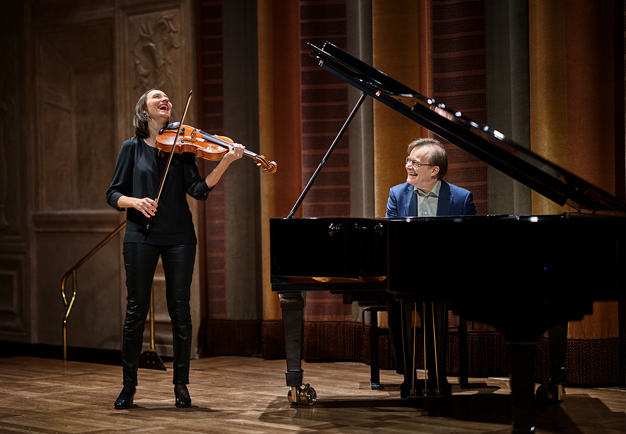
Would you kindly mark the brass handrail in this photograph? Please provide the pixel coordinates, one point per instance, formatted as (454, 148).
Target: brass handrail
(72, 271)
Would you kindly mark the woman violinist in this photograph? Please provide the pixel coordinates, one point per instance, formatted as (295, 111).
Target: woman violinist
(164, 229)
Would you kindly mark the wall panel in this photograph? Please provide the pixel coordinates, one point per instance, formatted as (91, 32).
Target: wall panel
(15, 278)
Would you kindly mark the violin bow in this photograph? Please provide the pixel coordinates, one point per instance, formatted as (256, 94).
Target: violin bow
(169, 159)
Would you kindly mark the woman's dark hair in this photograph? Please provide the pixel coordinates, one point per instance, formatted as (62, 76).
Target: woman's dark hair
(140, 120)
(437, 157)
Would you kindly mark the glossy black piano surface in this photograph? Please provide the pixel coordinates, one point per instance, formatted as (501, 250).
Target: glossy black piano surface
(483, 261)
(520, 274)
(335, 247)
(522, 253)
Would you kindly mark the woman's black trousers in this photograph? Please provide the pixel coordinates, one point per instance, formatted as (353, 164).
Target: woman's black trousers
(140, 262)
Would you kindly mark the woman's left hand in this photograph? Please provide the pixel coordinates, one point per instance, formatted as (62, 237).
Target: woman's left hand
(235, 153)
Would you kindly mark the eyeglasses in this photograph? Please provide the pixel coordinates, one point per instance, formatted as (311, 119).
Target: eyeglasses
(417, 164)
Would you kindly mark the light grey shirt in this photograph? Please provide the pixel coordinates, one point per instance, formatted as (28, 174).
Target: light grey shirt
(427, 203)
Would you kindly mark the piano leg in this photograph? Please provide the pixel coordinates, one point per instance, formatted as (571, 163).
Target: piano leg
(522, 325)
(292, 305)
(523, 355)
(553, 389)
(558, 350)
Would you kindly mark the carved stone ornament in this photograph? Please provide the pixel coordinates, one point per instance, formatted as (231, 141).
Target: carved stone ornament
(152, 52)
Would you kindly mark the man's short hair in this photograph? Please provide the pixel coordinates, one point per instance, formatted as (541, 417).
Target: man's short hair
(437, 156)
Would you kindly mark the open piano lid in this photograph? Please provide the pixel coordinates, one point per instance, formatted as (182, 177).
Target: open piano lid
(491, 146)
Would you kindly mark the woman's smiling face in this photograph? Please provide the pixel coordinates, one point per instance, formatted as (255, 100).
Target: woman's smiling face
(159, 106)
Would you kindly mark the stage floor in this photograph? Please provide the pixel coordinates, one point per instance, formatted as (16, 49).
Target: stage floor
(248, 395)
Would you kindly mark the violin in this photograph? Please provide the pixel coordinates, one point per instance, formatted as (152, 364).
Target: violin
(204, 145)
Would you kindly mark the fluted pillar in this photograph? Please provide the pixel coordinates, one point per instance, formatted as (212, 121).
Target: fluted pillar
(572, 112)
(279, 122)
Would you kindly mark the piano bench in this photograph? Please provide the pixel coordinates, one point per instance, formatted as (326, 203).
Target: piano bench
(376, 306)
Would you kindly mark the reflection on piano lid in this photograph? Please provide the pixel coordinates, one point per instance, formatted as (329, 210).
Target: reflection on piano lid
(487, 144)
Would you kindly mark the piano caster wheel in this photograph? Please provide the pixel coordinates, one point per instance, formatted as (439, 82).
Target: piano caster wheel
(551, 392)
(304, 395)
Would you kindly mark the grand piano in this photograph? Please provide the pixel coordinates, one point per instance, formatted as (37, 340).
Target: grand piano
(534, 272)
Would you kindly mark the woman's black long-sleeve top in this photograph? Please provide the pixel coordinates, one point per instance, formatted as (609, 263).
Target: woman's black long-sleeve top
(138, 173)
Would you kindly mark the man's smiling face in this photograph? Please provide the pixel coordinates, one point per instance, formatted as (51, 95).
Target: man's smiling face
(419, 173)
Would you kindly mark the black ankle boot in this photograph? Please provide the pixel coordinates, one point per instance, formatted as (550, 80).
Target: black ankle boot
(125, 400)
(183, 400)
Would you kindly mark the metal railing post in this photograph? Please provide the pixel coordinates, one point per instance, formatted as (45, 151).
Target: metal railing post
(73, 271)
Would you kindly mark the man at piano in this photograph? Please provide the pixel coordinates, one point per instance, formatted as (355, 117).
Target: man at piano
(425, 194)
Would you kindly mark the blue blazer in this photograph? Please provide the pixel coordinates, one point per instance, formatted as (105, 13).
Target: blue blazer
(453, 201)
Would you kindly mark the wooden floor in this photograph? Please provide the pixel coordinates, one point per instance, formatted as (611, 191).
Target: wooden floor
(247, 395)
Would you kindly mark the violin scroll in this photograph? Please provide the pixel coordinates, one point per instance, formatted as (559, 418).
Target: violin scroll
(268, 166)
